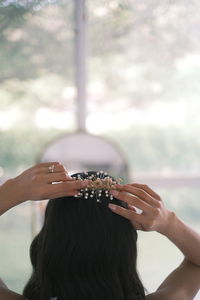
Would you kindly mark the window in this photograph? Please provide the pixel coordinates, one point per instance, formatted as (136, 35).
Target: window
(143, 62)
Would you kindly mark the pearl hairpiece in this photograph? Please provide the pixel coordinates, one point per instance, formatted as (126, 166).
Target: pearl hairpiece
(99, 183)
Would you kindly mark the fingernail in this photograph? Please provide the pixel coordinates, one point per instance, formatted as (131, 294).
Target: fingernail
(114, 193)
(112, 206)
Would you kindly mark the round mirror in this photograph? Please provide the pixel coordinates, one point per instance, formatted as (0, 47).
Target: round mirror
(81, 152)
(85, 152)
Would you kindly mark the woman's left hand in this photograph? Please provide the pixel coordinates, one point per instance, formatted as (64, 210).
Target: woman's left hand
(153, 216)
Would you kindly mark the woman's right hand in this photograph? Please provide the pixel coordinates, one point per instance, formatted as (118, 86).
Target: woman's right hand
(43, 181)
(153, 216)
(36, 183)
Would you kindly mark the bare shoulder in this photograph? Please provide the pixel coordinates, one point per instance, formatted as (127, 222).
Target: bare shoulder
(6, 294)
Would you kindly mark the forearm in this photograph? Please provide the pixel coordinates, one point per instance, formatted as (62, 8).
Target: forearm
(184, 280)
(9, 196)
(36, 183)
(184, 237)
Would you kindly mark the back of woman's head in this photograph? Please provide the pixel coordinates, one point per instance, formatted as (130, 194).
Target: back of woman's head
(84, 252)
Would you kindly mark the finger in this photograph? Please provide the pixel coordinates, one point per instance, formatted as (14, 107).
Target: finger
(67, 186)
(131, 207)
(132, 200)
(128, 214)
(119, 186)
(58, 168)
(63, 194)
(56, 177)
(138, 192)
(147, 189)
(135, 209)
(44, 168)
(46, 165)
(41, 168)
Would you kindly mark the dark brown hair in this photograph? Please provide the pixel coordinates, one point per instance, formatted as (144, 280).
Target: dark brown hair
(84, 252)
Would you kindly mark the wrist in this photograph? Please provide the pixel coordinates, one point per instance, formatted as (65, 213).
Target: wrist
(16, 191)
(183, 237)
(9, 195)
(169, 225)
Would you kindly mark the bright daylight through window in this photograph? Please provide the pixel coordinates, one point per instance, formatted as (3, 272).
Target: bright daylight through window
(142, 70)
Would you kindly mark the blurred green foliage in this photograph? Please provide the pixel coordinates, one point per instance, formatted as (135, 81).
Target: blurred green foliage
(140, 54)
(151, 149)
(21, 149)
(36, 39)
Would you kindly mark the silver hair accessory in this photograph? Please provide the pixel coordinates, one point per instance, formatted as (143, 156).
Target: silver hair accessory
(99, 183)
(51, 169)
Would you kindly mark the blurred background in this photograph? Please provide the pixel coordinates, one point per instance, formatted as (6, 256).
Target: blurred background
(141, 77)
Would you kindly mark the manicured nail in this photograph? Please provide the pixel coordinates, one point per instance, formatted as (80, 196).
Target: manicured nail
(114, 193)
(112, 206)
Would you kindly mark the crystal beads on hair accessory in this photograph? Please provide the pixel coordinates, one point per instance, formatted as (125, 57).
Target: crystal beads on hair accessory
(99, 184)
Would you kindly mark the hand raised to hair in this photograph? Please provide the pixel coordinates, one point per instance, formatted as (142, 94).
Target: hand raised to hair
(154, 215)
(36, 184)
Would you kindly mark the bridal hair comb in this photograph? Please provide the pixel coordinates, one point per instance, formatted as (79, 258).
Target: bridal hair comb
(100, 183)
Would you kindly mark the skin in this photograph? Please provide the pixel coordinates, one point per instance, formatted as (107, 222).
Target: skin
(36, 184)
(184, 282)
